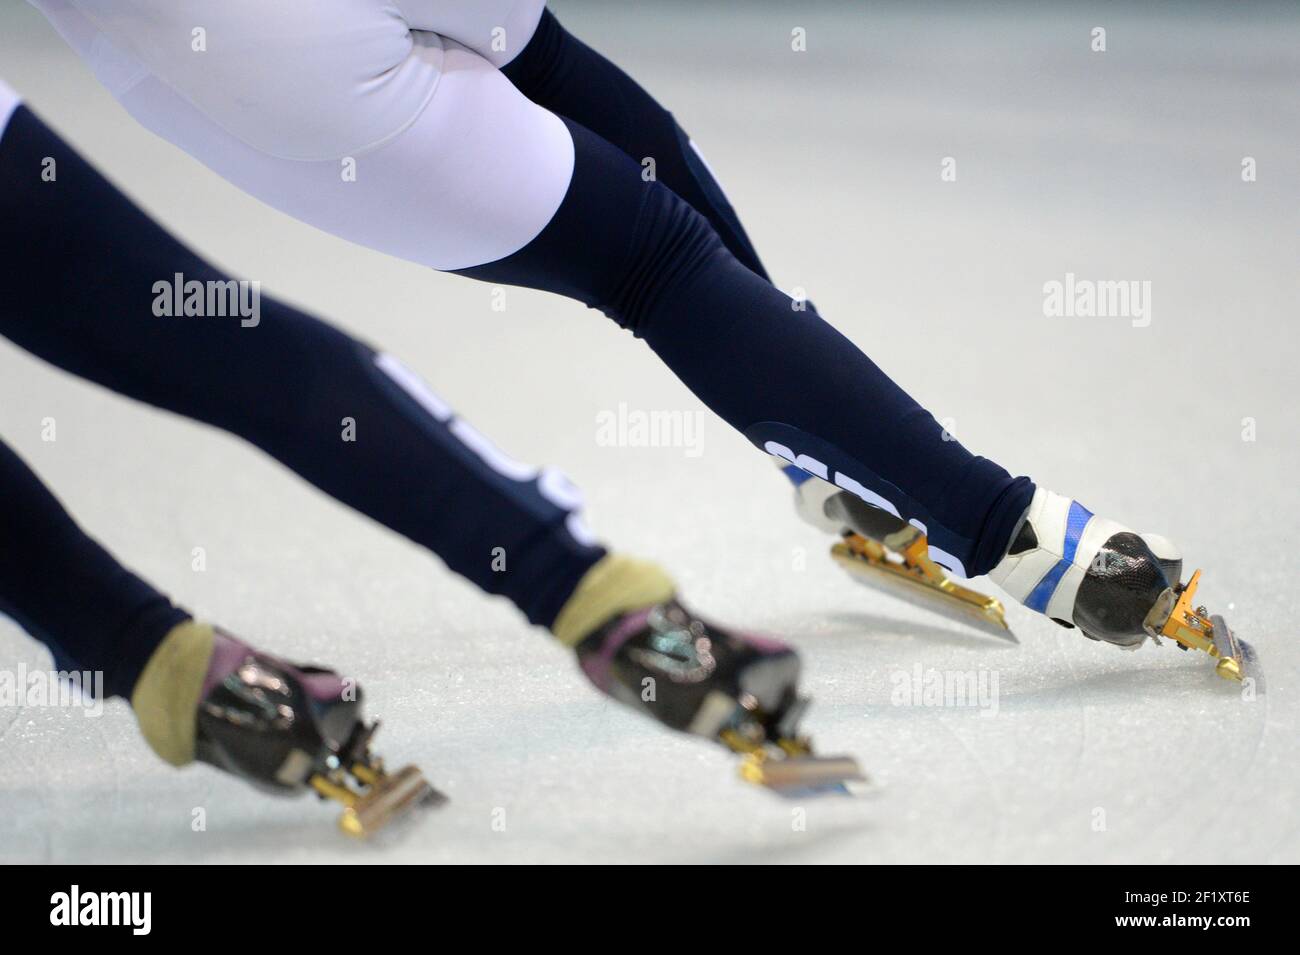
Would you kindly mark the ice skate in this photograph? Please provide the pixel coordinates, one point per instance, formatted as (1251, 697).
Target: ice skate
(737, 688)
(1114, 585)
(882, 551)
(289, 728)
(1080, 570)
(284, 728)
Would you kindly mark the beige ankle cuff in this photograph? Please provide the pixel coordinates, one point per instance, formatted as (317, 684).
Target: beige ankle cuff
(166, 697)
(613, 586)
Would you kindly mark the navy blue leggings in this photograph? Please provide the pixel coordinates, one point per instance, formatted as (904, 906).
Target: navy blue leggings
(78, 265)
(67, 591)
(558, 71)
(669, 261)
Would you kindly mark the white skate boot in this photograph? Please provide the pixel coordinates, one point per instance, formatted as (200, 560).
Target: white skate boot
(1086, 571)
(1116, 586)
(1064, 562)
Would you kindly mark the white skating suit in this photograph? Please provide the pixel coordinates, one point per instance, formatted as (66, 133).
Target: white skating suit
(9, 101)
(318, 106)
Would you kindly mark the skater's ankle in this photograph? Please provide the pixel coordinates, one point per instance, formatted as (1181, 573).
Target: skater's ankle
(615, 586)
(1001, 525)
(189, 661)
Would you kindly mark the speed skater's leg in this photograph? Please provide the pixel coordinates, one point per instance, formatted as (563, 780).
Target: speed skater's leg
(783, 376)
(283, 384)
(67, 591)
(93, 614)
(198, 693)
(558, 71)
(354, 422)
(1079, 571)
(1111, 577)
(1094, 572)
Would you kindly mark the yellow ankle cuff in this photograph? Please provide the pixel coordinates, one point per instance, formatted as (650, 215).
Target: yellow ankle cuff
(613, 586)
(166, 697)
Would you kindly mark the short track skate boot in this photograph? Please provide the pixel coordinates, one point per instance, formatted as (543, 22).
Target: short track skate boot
(281, 727)
(694, 676)
(1116, 586)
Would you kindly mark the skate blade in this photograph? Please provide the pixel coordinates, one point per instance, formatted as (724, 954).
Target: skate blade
(1237, 659)
(802, 775)
(789, 768)
(1193, 628)
(390, 797)
(927, 587)
(382, 798)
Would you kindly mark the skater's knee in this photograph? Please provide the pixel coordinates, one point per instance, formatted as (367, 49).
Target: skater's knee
(673, 244)
(619, 242)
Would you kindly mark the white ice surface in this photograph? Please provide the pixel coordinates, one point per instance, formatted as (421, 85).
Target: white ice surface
(1122, 165)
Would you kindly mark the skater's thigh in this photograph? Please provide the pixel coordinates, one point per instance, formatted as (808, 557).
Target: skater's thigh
(472, 178)
(495, 29)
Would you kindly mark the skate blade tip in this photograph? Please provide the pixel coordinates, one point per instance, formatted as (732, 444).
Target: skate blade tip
(1238, 661)
(392, 798)
(998, 628)
(1241, 671)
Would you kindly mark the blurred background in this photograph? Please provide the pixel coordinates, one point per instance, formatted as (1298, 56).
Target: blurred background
(831, 126)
